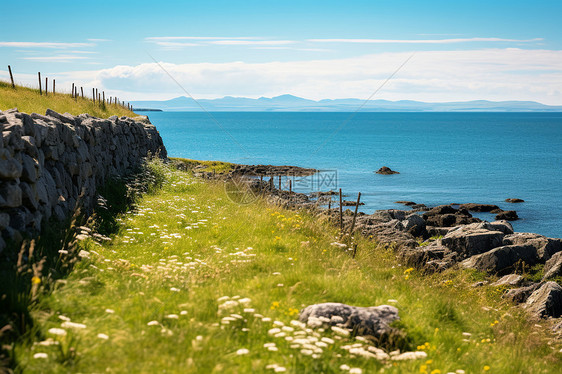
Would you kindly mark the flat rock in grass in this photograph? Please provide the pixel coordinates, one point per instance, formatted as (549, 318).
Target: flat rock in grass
(502, 259)
(546, 301)
(364, 321)
(509, 280)
(553, 266)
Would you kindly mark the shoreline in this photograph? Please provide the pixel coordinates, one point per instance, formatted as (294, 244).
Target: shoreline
(436, 239)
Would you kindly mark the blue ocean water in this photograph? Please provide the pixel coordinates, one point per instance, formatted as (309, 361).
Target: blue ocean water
(442, 157)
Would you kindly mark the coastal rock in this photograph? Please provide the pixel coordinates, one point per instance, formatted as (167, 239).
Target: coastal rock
(418, 257)
(502, 259)
(407, 203)
(414, 225)
(502, 226)
(508, 215)
(546, 247)
(513, 280)
(472, 239)
(520, 295)
(514, 200)
(546, 301)
(351, 203)
(473, 207)
(364, 321)
(385, 170)
(553, 266)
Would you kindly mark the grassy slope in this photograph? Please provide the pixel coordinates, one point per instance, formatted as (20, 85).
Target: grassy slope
(28, 100)
(156, 266)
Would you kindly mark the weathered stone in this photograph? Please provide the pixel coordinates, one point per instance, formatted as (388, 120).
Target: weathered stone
(4, 220)
(553, 266)
(546, 247)
(364, 321)
(508, 215)
(520, 295)
(509, 280)
(502, 259)
(10, 168)
(30, 171)
(419, 256)
(479, 207)
(11, 193)
(546, 301)
(502, 226)
(386, 171)
(414, 225)
(472, 240)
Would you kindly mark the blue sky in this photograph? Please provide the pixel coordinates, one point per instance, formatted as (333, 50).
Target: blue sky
(495, 50)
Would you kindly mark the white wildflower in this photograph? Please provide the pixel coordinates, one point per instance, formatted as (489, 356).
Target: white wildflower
(173, 289)
(153, 323)
(73, 325)
(242, 351)
(103, 336)
(57, 331)
(172, 316)
(110, 311)
(40, 355)
(340, 331)
(355, 371)
(274, 331)
(245, 301)
(344, 367)
(280, 369)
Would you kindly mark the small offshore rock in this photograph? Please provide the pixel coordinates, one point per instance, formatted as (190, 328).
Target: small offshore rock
(508, 215)
(473, 207)
(385, 170)
(514, 200)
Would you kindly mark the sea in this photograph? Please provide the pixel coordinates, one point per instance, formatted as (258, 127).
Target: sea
(442, 158)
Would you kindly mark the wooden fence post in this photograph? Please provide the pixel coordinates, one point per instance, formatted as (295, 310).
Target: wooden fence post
(40, 91)
(82, 91)
(11, 76)
(341, 215)
(46, 86)
(54, 86)
(94, 95)
(72, 92)
(355, 214)
(103, 95)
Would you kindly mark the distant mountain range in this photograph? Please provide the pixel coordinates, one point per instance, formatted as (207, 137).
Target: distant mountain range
(290, 103)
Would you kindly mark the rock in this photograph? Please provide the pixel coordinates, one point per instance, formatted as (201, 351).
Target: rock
(351, 203)
(414, 225)
(546, 247)
(502, 226)
(4, 220)
(364, 321)
(407, 203)
(385, 170)
(441, 209)
(472, 239)
(10, 168)
(418, 257)
(479, 207)
(508, 215)
(546, 301)
(553, 266)
(520, 295)
(509, 280)
(502, 259)
(11, 194)
(514, 200)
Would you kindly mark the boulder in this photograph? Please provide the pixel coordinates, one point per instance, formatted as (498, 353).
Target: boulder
(553, 266)
(546, 301)
(520, 295)
(546, 247)
(418, 257)
(472, 240)
(508, 215)
(509, 280)
(502, 226)
(502, 259)
(414, 225)
(385, 170)
(473, 207)
(364, 321)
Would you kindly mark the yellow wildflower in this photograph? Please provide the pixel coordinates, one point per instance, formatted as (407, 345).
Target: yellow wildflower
(35, 280)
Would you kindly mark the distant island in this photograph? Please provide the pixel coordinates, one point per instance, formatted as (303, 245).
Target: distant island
(290, 103)
(147, 110)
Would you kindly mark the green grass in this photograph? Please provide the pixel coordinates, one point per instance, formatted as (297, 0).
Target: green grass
(28, 100)
(218, 167)
(155, 294)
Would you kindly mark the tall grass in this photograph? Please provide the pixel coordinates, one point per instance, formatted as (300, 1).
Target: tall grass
(193, 282)
(29, 100)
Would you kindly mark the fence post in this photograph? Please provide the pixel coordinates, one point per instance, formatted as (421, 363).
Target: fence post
(103, 95)
(39, 75)
(54, 81)
(72, 92)
(341, 215)
(94, 95)
(82, 91)
(11, 76)
(46, 86)
(355, 214)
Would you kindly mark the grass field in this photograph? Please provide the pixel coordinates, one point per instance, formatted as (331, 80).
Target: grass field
(193, 282)
(29, 100)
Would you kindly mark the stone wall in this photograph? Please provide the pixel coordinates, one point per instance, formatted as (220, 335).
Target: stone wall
(46, 162)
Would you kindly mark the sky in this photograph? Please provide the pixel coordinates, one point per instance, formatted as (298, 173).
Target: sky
(432, 51)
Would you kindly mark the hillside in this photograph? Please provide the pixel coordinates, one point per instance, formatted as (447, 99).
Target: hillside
(294, 103)
(193, 282)
(28, 100)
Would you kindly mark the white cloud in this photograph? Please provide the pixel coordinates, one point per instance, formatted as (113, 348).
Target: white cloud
(251, 42)
(100, 40)
(176, 45)
(45, 45)
(492, 74)
(423, 41)
(62, 58)
(163, 38)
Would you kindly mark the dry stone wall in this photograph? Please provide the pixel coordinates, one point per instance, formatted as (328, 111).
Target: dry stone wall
(46, 162)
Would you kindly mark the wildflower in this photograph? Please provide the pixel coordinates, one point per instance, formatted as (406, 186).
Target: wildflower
(173, 289)
(340, 331)
(306, 352)
(103, 336)
(274, 331)
(153, 323)
(73, 325)
(242, 351)
(35, 280)
(435, 371)
(355, 371)
(280, 369)
(245, 301)
(344, 367)
(172, 316)
(183, 312)
(486, 368)
(40, 355)
(408, 271)
(274, 305)
(110, 311)
(57, 331)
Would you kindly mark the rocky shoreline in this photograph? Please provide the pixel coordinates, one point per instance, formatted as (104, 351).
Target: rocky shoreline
(434, 239)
